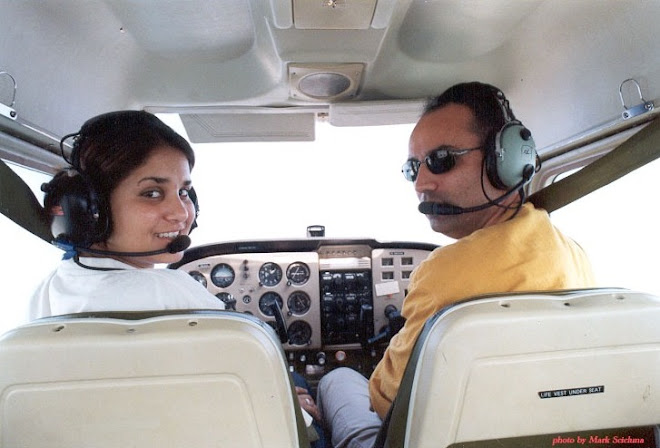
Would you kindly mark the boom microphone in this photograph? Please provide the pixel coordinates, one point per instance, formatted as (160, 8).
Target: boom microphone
(436, 208)
(178, 244)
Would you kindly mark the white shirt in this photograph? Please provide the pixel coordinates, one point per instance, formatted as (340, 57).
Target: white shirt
(105, 284)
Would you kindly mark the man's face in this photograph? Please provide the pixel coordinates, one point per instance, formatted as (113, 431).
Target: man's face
(461, 186)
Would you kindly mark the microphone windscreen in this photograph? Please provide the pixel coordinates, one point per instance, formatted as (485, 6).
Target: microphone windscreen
(178, 244)
(426, 208)
(434, 208)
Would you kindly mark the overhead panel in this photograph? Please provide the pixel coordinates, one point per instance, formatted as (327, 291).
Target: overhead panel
(333, 14)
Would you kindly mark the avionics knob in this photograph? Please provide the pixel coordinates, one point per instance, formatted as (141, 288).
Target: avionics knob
(362, 281)
(320, 358)
(337, 280)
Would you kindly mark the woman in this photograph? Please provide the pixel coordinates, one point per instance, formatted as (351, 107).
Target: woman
(126, 205)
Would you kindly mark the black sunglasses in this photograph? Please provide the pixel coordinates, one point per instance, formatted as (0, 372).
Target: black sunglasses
(439, 161)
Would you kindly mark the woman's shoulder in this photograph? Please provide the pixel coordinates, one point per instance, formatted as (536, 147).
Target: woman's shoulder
(156, 277)
(169, 275)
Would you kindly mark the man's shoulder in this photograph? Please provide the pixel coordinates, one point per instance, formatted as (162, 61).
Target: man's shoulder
(480, 244)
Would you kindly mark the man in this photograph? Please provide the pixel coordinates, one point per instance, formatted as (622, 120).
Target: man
(469, 160)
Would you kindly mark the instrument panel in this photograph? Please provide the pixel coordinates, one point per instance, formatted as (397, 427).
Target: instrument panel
(330, 300)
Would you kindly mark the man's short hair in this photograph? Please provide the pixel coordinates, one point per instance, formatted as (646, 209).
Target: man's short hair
(482, 100)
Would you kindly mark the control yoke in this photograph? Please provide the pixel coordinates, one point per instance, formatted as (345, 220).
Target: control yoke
(280, 327)
(394, 324)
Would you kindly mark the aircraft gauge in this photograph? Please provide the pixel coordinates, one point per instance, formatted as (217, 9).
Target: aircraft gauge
(298, 273)
(270, 274)
(222, 275)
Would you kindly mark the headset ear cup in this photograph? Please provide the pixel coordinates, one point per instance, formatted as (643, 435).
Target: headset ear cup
(514, 151)
(75, 213)
(490, 160)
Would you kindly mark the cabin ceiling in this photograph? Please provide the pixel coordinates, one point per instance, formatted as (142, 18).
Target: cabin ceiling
(229, 65)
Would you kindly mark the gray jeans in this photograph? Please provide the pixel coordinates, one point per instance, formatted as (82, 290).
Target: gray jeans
(343, 397)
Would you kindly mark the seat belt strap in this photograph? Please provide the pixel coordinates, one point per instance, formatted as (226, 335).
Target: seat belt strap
(637, 151)
(18, 203)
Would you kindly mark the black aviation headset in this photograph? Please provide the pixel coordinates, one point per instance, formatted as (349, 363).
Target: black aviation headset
(79, 215)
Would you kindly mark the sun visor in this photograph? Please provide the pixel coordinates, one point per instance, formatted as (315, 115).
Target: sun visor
(376, 113)
(237, 126)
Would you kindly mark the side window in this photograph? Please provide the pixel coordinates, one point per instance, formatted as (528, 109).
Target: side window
(617, 226)
(25, 260)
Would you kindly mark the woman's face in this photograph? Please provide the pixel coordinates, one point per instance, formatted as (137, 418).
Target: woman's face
(151, 207)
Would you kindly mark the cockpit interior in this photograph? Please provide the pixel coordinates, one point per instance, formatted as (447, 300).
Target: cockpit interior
(332, 302)
(300, 114)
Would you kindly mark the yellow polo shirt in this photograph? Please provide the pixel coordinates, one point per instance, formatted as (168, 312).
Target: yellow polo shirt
(526, 253)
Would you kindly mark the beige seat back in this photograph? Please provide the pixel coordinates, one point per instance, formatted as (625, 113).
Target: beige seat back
(199, 379)
(564, 369)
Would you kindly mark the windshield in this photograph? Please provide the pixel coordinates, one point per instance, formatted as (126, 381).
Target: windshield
(617, 226)
(350, 181)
